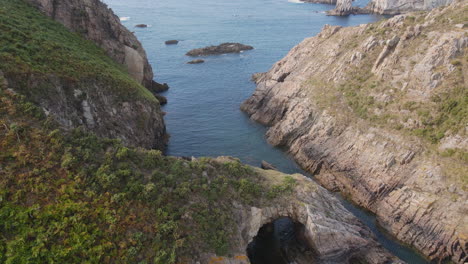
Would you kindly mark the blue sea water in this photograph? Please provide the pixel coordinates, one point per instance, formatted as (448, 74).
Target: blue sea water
(203, 116)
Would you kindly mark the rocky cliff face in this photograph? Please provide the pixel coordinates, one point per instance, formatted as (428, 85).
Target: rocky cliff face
(393, 7)
(75, 81)
(335, 235)
(96, 22)
(379, 112)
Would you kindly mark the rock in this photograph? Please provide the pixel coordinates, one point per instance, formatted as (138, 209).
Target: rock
(198, 61)
(396, 176)
(393, 7)
(141, 25)
(344, 8)
(220, 49)
(460, 25)
(137, 121)
(329, 2)
(158, 87)
(335, 235)
(162, 99)
(171, 42)
(267, 166)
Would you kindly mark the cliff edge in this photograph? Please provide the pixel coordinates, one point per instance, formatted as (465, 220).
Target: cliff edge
(379, 112)
(74, 80)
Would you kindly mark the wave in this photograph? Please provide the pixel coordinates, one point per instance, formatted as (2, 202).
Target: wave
(124, 18)
(295, 1)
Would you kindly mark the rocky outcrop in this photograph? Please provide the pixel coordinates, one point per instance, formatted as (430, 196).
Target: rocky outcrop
(345, 7)
(354, 107)
(335, 235)
(220, 49)
(102, 99)
(171, 42)
(392, 7)
(96, 22)
(198, 61)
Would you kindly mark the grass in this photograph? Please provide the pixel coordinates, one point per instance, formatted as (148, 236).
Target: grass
(76, 198)
(34, 45)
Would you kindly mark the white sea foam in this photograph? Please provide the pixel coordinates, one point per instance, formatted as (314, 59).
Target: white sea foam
(124, 18)
(295, 1)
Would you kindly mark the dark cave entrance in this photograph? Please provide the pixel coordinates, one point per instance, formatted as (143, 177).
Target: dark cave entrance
(282, 241)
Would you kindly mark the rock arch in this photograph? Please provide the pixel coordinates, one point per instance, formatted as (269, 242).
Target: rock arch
(334, 234)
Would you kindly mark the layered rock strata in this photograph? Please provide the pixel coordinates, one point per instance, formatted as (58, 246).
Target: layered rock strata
(358, 107)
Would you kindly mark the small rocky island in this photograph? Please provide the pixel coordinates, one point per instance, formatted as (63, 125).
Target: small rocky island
(198, 61)
(220, 49)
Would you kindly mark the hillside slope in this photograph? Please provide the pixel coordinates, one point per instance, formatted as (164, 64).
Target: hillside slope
(96, 22)
(73, 80)
(71, 197)
(380, 112)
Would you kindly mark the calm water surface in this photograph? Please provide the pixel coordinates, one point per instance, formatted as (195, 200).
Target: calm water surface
(203, 115)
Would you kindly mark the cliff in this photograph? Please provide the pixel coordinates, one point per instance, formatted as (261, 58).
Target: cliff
(379, 112)
(74, 81)
(392, 7)
(71, 197)
(96, 22)
(386, 7)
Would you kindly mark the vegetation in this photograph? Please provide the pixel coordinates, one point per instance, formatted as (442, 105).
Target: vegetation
(76, 198)
(34, 46)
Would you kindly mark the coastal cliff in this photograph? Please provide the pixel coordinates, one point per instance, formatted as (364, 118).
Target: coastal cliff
(96, 22)
(72, 197)
(385, 7)
(379, 112)
(393, 7)
(74, 80)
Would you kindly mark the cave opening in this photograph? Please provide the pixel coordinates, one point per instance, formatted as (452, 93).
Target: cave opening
(282, 241)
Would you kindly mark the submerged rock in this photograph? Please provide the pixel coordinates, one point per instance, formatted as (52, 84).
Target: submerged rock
(267, 166)
(220, 49)
(141, 25)
(171, 42)
(196, 61)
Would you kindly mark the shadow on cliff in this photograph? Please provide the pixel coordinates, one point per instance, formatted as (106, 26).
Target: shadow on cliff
(281, 241)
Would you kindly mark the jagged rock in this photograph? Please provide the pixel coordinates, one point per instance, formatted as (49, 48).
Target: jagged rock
(396, 176)
(267, 166)
(158, 87)
(198, 61)
(220, 49)
(171, 42)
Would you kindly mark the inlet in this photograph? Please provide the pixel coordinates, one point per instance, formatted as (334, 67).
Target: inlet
(282, 241)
